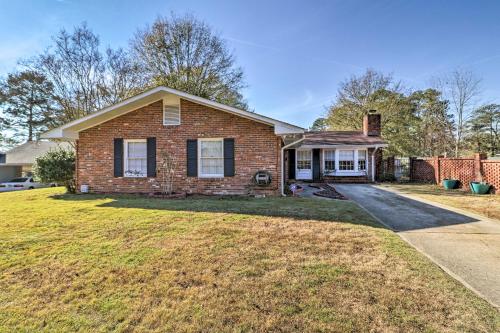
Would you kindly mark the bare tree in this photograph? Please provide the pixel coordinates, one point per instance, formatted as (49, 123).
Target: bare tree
(168, 164)
(75, 66)
(122, 77)
(84, 79)
(184, 53)
(356, 96)
(462, 88)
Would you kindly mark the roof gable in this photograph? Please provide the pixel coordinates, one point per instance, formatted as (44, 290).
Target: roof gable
(70, 130)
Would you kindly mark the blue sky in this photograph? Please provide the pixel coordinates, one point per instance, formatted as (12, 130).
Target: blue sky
(294, 53)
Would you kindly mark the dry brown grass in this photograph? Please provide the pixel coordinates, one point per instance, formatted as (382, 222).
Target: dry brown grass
(487, 205)
(94, 263)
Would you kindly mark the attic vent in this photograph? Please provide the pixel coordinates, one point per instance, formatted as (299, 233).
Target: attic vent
(171, 115)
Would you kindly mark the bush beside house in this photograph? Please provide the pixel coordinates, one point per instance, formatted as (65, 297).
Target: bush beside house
(57, 166)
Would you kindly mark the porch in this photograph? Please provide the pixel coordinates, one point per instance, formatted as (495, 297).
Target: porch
(331, 164)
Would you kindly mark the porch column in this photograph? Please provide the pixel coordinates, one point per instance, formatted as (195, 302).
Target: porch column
(355, 160)
(336, 160)
(373, 164)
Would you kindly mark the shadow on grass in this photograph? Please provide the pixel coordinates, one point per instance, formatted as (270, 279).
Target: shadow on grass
(293, 208)
(401, 213)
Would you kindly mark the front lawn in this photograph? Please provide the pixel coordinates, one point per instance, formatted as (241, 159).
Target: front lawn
(124, 263)
(487, 205)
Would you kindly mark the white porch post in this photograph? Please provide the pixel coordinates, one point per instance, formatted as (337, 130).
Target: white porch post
(356, 160)
(336, 160)
(373, 163)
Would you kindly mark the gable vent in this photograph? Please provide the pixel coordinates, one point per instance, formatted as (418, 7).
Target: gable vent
(171, 115)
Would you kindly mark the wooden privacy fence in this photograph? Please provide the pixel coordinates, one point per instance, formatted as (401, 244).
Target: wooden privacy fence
(466, 170)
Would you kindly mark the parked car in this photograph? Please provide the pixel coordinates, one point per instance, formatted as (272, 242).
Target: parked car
(21, 183)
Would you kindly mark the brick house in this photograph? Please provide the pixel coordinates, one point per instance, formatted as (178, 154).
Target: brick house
(218, 148)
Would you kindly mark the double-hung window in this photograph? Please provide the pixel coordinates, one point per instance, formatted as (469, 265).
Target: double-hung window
(329, 157)
(135, 156)
(361, 160)
(211, 157)
(346, 160)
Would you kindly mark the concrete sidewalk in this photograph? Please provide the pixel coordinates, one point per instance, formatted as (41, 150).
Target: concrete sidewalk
(465, 245)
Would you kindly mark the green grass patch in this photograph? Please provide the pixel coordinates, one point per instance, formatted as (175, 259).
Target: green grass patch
(125, 263)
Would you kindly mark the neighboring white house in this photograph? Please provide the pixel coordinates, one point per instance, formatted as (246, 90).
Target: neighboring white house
(19, 160)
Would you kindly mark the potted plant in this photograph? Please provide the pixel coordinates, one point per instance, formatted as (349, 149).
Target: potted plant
(479, 187)
(450, 184)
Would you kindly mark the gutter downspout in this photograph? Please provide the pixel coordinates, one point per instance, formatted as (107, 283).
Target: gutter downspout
(373, 163)
(282, 186)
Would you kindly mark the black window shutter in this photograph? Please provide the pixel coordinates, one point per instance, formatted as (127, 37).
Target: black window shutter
(151, 154)
(228, 157)
(291, 164)
(118, 157)
(192, 158)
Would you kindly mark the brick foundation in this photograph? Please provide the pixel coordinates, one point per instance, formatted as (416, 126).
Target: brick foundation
(346, 179)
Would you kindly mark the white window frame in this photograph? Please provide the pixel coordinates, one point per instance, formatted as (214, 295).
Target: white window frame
(125, 158)
(354, 160)
(178, 106)
(357, 160)
(309, 152)
(335, 165)
(304, 174)
(200, 174)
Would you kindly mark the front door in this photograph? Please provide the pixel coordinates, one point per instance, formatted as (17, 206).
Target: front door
(315, 165)
(303, 164)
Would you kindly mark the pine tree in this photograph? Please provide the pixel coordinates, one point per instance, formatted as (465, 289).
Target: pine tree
(26, 99)
(484, 129)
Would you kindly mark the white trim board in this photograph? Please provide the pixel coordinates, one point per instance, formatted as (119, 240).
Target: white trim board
(70, 130)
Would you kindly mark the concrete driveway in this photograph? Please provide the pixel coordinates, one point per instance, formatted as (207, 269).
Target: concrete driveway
(465, 245)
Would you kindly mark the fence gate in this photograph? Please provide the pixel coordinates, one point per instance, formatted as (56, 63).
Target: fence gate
(402, 168)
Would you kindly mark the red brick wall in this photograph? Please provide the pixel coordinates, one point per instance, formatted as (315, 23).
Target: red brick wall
(457, 168)
(422, 170)
(256, 148)
(372, 124)
(491, 173)
(466, 170)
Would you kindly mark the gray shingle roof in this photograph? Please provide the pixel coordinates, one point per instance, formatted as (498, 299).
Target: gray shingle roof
(340, 138)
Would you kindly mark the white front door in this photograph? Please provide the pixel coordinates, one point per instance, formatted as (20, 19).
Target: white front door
(303, 164)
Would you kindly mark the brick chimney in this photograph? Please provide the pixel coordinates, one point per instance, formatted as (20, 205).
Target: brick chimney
(371, 124)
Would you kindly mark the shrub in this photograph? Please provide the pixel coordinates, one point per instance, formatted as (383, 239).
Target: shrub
(57, 166)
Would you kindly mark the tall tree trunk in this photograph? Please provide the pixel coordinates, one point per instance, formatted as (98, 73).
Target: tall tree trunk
(30, 124)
